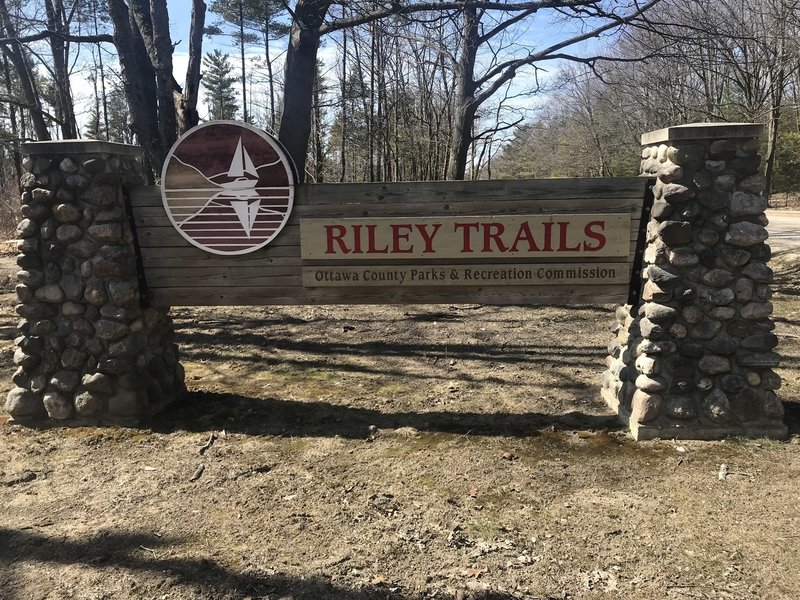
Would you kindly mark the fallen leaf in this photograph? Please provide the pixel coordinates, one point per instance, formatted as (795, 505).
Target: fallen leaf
(198, 472)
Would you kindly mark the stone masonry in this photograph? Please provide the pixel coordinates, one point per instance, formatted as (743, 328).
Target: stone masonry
(694, 358)
(89, 349)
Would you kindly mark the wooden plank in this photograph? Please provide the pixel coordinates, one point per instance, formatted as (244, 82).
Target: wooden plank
(577, 205)
(154, 216)
(183, 249)
(446, 191)
(232, 278)
(156, 264)
(189, 257)
(220, 296)
(290, 273)
(167, 238)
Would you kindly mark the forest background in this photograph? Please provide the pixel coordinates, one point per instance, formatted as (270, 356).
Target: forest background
(404, 89)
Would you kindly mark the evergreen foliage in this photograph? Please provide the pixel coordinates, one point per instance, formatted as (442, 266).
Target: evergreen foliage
(218, 82)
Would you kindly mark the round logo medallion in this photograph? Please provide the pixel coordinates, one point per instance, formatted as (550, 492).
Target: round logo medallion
(227, 187)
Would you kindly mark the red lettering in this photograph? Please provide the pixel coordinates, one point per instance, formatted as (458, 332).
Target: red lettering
(525, 235)
(548, 237)
(492, 233)
(371, 247)
(595, 235)
(428, 237)
(357, 240)
(467, 228)
(336, 233)
(562, 238)
(398, 237)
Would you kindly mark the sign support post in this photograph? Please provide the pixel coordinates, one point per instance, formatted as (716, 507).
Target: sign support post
(90, 349)
(693, 358)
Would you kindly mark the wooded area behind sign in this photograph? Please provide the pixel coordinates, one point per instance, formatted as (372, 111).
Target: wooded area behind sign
(494, 242)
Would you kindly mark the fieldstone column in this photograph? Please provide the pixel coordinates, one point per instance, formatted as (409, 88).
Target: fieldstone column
(89, 349)
(694, 358)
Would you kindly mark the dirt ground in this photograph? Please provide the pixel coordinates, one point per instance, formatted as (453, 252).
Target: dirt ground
(405, 452)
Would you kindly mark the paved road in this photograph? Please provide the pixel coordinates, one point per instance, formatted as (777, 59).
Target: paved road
(784, 229)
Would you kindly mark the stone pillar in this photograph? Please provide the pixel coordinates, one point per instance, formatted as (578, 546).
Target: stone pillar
(693, 358)
(89, 349)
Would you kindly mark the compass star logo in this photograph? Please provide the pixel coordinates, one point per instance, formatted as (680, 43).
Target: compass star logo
(227, 187)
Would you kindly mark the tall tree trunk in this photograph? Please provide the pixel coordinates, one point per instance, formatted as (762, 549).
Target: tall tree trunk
(104, 98)
(772, 129)
(152, 21)
(12, 117)
(59, 49)
(188, 116)
(465, 106)
(245, 116)
(94, 126)
(366, 109)
(371, 158)
(301, 65)
(138, 80)
(319, 155)
(268, 58)
(343, 84)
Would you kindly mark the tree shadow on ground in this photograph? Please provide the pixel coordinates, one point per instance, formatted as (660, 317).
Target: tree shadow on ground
(265, 352)
(263, 341)
(257, 344)
(148, 556)
(204, 410)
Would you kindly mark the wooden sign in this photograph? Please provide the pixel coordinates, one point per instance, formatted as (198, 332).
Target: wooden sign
(227, 187)
(560, 241)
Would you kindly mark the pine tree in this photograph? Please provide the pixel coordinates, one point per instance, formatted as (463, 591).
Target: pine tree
(218, 81)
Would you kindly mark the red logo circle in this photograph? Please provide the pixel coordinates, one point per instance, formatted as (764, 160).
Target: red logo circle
(227, 187)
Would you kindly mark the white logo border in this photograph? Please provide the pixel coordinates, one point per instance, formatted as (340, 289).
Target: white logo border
(286, 162)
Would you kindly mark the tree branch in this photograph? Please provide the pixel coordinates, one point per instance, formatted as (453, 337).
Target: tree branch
(507, 70)
(397, 8)
(505, 25)
(19, 103)
(68, 37)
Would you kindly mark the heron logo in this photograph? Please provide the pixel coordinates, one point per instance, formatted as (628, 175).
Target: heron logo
(227, 187)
